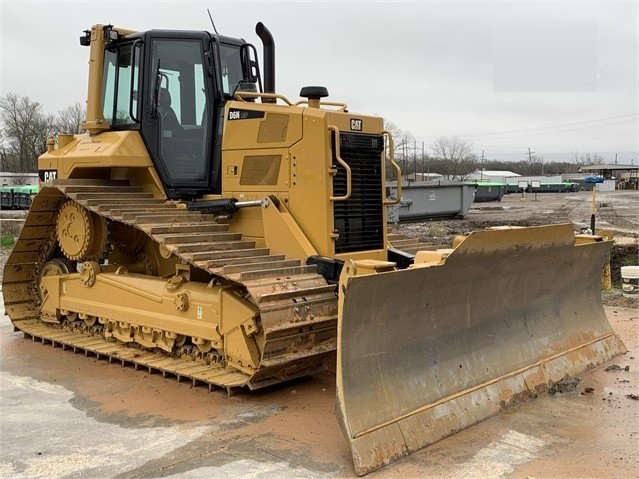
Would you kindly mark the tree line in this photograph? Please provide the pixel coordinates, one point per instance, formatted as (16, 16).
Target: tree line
(455, 158)
(462, 167)
(25, 127)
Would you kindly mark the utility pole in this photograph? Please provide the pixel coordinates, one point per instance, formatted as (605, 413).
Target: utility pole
(415, 158)
(542, 165)
(481, 172)
(404, 158)
(530, 156)
(615, 158)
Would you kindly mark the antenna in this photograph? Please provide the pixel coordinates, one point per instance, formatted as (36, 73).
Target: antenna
(212, 22)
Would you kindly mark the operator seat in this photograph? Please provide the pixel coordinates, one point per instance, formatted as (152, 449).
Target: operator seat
(169, 123)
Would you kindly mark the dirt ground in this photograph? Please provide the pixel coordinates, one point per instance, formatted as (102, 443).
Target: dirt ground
(616, 212)
(64, 415)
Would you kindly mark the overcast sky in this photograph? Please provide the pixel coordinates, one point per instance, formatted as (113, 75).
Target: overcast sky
(555, 77)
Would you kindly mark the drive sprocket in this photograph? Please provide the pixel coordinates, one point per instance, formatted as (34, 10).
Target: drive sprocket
(81, 234)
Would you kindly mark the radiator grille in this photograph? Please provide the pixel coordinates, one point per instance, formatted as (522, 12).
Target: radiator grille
(359, 220)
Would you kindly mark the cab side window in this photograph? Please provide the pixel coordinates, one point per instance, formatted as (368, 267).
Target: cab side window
(119, 98)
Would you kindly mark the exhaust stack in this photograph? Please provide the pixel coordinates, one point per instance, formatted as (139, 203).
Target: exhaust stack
(269, 58)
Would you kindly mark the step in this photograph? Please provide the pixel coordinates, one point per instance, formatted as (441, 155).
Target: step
(259, 266)
(203, 227)
(288, 294)
(277, 273)
(161, 217)
(219, 264)
(100, 189)
(119, 212)
(114, 203)
(89, 182)
(110, 196)
(226, 254)
(266, 285)
(198, 237)
(203, 247)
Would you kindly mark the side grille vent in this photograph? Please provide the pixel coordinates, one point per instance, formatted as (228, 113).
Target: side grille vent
(359, 220)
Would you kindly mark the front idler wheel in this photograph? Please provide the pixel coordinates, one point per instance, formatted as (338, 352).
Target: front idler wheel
(55, 267)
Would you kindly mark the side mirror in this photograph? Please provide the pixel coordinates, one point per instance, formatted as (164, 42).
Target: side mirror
(250, 66)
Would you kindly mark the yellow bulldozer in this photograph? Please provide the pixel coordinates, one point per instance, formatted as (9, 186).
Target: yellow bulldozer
(209, 228)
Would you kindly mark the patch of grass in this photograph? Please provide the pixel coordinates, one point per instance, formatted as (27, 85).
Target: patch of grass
(6, 242)
(622, 255)
(629, 260)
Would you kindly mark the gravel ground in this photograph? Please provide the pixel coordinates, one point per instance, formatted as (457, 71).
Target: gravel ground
(616, 212)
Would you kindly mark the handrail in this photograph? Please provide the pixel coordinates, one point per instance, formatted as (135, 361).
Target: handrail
(342, 106)
(133, 45)
(398, 170)
(242, 95)
(338, 157)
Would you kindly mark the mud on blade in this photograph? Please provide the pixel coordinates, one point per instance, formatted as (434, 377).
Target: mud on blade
(428, 351)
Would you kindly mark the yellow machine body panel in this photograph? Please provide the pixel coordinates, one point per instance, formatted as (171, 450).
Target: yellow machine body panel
(285, 150)
(109, 155)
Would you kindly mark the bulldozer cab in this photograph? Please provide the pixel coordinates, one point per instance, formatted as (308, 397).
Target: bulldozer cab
(172, 86)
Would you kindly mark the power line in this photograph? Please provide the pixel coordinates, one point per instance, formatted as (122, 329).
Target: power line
(554, 132)
(489, 148)
(585, 124)
(552, 126)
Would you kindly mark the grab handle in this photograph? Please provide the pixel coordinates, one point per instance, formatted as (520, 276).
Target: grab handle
(344, 164)
(398, 170)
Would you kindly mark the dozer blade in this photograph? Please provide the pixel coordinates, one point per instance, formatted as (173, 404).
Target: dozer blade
(428, 351)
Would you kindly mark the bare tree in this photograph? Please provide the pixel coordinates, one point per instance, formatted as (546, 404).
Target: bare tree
(593, 159)
(4, 166)
(4, 159)
(400, 135)
(70, 119)
(589, 158)
(454, 157)
(25, 129)
(403, 140)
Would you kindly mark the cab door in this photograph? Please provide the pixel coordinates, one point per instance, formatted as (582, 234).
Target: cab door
(177, 110)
